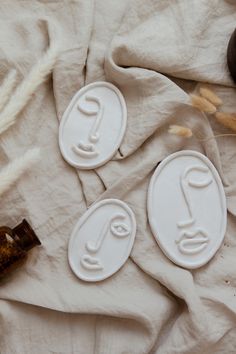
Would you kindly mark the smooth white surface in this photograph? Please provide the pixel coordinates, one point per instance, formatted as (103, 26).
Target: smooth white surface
(187, 208)
(102, 240)
(93, 125)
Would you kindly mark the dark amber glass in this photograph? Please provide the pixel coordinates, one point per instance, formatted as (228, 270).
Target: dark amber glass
(14, 245)
(231, 55)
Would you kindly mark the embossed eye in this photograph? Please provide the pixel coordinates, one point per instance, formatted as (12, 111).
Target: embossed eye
(119, 229)
(198, 184)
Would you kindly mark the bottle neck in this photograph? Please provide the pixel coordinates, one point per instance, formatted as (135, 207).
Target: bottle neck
(24, 236)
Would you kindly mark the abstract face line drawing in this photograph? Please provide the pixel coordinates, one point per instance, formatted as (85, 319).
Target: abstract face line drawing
(184, 183)
(102, 240)
(88, 150)
(118, 229)
(93, 125)
(198, 238)
(188, 244)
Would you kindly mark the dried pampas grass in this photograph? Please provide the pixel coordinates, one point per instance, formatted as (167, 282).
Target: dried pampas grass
(187, 133)
(26, 88)
(208, 103)
(7, 87)
(227, 119)
(11, 105)
(180, 131)
(210, 96)
(15, 169)
(202, 104)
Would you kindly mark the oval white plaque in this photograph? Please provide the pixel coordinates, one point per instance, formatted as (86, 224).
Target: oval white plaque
(102, 240)
(187, 208)
(93, 125)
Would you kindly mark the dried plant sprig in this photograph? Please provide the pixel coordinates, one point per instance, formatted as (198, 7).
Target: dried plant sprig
(202, 104)
(216, 136)
(180, 131)
(25, 90)
(187, 133)
(7, 87)
(14, 170)
(210, 96)
(227, 119)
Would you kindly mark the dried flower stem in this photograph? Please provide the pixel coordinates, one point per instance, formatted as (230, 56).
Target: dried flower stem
(187, 133)
(215, 136)
(207, 103)
(27, 87)
(10, 173)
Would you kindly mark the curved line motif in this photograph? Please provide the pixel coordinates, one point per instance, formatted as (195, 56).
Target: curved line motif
(185, 223)
(94, 134)
(119, 229)
(184, 189)
(190, 239)
(95, 246)
(89, 112)
(91, 263)
(85, 150)
(197, 184)
(184, 183)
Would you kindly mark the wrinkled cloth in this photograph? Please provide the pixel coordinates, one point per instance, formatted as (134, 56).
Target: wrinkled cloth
(156, 52)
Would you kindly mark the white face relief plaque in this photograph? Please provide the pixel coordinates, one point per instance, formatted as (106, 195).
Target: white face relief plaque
(187, 208)
(102, 240)
(93, 125)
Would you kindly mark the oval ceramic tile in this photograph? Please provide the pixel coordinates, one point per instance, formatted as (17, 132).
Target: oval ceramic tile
(102, 240)
(93, 125)
(187, 208)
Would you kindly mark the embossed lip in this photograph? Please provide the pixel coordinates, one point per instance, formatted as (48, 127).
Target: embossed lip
(198, 238)
(91, 263)
(85, 150)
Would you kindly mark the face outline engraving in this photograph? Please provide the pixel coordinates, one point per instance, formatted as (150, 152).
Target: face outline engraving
(187, 208)
(102, 240)
(111, 227)
(88, 150)
(198, 238)
(93, 126)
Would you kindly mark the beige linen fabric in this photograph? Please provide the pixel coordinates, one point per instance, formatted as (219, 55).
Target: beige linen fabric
(156, 52)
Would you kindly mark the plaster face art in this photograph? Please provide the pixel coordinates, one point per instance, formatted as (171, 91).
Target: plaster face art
(102, 240)
(93, 126)
(187, 208)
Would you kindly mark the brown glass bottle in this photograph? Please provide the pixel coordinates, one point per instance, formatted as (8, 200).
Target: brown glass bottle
(231, 56)
(14, 245)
